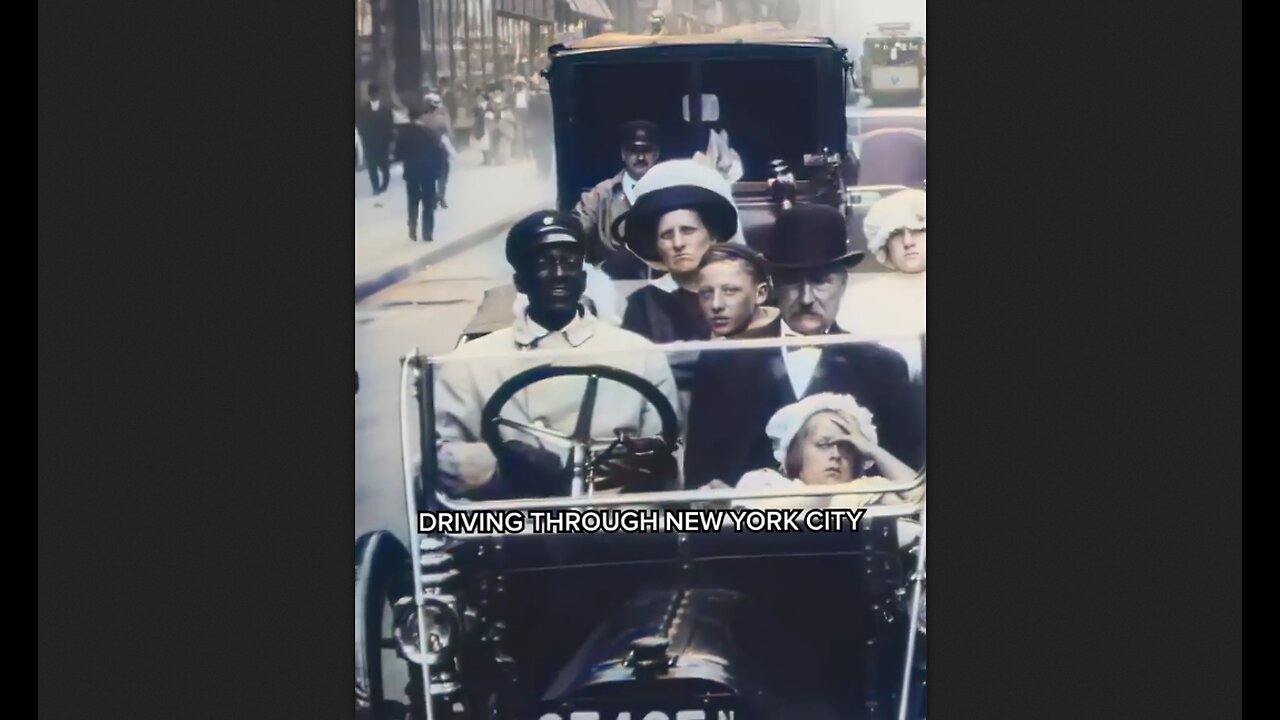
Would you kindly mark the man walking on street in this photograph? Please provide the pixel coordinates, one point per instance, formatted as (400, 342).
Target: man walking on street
(539, 135)
(426, 161)
(437, 120)
(520, 103)
(375, 123)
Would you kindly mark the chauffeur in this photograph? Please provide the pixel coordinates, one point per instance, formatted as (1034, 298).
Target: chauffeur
(546, 251)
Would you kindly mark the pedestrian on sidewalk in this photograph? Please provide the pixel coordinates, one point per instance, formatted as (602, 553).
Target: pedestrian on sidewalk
(374, 123)
(437, 120)
(520, 144)
(449, 98)
(500, 128)
(540, 132)
(426, 157)
(479, 138)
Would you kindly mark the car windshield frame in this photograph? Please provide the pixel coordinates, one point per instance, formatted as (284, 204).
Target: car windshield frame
(418, 428)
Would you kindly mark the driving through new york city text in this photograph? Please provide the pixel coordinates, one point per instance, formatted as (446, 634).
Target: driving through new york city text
(641, 520)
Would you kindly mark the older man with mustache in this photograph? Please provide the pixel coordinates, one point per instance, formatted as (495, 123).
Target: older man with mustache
(735, 393)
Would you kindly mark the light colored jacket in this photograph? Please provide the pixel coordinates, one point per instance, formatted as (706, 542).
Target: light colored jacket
(471, 374)
(596, 211)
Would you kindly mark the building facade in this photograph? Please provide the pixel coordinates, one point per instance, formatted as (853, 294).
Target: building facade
(410, 45)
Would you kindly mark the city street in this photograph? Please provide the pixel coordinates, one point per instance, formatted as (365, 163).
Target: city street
(420, 297)
(427, 311)
(422, 294)
(481, 201)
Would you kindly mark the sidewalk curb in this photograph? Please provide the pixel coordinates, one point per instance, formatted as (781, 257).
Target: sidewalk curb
(368, 288)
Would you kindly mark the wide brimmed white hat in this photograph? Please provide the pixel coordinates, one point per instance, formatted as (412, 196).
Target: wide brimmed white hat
(903, 210)
(785, 424)
(676, 185)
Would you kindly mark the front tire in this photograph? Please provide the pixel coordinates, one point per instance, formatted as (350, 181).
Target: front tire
(384, 574)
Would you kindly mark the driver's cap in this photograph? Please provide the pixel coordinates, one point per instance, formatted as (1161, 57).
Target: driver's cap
(544, 227)
(638, 135)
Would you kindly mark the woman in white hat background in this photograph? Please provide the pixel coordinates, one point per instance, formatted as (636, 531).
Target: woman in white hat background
(827, 439)
(890, 304)
(895, 230)
(682, 209)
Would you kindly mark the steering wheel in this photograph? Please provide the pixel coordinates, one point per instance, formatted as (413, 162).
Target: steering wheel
(585, 448)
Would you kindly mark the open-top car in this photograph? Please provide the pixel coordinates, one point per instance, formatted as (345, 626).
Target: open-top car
(706, 620)
(493, 616)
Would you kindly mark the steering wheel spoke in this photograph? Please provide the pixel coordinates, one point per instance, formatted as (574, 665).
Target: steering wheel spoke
(491, 421)
(587, 410)
(536, 430)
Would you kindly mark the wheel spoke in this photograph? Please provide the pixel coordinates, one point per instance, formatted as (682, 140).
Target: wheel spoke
(545, 433)
(582, 433)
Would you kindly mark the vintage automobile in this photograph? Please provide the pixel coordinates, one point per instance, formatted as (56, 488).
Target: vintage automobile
(779, 94)
(652, 625)
(893, 69)
(706, 623)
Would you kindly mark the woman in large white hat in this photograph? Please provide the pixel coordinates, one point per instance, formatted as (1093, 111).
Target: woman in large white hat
(682, 209)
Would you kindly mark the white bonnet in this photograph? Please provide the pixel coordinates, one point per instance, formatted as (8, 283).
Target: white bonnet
(903, 210)
(787, 422)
